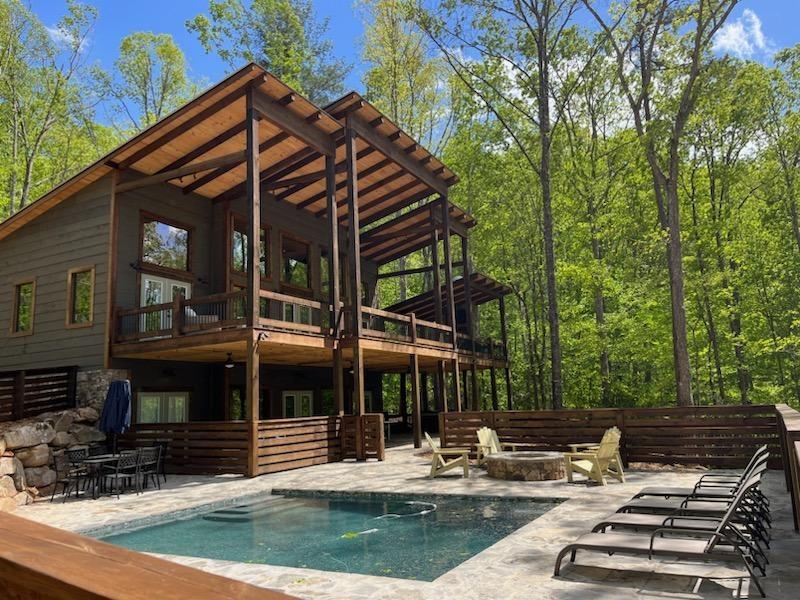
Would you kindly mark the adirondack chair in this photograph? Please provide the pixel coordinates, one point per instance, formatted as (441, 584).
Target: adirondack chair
(598, 462)
(445, 459)
(489, 443)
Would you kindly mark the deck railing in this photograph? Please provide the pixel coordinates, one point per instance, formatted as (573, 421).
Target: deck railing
(714, 436)
(789, 432)
(385, 325)
(35, 391)
(293, 313)
(285, 444)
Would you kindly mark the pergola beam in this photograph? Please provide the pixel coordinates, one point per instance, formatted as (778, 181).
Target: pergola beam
(213, 163)
(296, 126)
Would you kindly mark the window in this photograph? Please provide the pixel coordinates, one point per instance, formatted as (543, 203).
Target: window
(294, 261)
(164, 244)
(296, 313)
(239, 249)
(163, 407)
(80, 297)
(22, 315)
(297, 403)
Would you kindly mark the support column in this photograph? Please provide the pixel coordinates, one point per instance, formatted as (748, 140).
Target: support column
(253, 385)
(504, 333)
(338, 381)
(439, 394)
(335, 285)
(403, 398)
(253, 187)
(416, 413)
(451, 305)
(493, 378)
(354, 247)
(466, 270)
(457, 384)
(423, 383)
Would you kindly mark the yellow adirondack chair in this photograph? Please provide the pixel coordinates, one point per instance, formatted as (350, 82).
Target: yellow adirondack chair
(489, 443)
(443, 458)
(597, 462)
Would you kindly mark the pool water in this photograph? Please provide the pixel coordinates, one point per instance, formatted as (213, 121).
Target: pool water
(411, 537)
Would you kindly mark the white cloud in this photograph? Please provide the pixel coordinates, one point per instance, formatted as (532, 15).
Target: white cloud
(743, 37)
(61, 36)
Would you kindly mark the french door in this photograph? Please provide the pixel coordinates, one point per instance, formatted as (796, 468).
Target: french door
(160, 290)
(297, 403)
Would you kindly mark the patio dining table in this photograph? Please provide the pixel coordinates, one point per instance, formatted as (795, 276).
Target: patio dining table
(94, 466)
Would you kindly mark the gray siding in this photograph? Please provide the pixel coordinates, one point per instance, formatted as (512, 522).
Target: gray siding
(73, 234)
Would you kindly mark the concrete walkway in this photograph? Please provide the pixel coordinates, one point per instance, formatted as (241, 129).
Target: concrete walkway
(518, 566)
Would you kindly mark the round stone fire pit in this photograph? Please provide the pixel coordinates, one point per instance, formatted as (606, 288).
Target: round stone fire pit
(526, 466)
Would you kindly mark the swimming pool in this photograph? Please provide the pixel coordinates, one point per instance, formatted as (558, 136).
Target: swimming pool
(409, 536)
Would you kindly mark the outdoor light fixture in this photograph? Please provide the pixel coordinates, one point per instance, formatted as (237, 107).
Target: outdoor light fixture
(229, 364)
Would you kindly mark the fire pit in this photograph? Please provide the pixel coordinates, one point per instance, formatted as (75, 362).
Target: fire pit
(526, 466)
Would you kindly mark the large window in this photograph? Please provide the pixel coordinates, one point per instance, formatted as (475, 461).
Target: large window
(23, 309)
(239, 249)
(163, 407)
(294, 262)
(80, 297)
(165, 244)
(298, 403)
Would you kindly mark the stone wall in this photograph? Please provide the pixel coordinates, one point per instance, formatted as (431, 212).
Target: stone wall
(28, 448)
(92, 386)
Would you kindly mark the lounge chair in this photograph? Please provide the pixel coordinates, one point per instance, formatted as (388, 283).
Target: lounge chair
(445, 459)
(489, 443)
(723, 544)
(599, 462)
(711, 485)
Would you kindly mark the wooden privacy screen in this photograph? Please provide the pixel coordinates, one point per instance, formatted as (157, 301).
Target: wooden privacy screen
(362, 436)
(38, 562)
(195, 448)
(716, 436)
(285, 444)
(35, 391)
(789, 430)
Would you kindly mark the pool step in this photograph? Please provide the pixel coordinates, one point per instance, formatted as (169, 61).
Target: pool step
(243, 514)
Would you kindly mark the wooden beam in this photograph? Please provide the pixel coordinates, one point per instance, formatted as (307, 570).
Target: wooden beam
(252, 389)
(335, 286)
(293, 181)
(253, 215)
(205, 147)
(393, 208)
(234, 158)
(448, 270)
(111, 275)
(456, 385)
(376, 239)
(296, 126)
(343, 184)
(338, 381)
(410, 272)
(416, 412)
(389, 150)
(185, 126)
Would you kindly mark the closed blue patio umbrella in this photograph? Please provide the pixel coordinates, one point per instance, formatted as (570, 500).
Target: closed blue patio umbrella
(116, 415)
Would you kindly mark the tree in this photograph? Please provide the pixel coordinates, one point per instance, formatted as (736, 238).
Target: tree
(284, 36)
(150, 80)
(664, 45)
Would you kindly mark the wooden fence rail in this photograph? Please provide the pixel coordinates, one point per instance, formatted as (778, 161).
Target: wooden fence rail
(35, 391)
(717, 436)
(363, 436)
(285, 444)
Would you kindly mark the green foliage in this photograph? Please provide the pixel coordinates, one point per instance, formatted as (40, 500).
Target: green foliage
(283, 36)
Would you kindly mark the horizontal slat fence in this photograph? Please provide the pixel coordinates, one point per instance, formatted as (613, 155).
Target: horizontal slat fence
(363, 436)
(285, 444)
(196, 448)
(789, 431)
(715, 436)
(35, 391)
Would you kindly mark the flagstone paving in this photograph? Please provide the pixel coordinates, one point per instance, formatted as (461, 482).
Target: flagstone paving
(518, 566)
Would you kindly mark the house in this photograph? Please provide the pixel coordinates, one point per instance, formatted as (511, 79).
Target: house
(144, 265)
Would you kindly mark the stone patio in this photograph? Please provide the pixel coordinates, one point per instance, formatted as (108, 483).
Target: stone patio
(519, 566)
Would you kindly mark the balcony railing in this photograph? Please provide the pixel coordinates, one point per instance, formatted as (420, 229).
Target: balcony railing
(292, 313)
(484, 347)
(408, 329)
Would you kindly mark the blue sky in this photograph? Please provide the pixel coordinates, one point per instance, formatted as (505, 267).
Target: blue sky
(757, 28)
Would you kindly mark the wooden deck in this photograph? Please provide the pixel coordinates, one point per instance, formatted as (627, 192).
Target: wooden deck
(38, 562)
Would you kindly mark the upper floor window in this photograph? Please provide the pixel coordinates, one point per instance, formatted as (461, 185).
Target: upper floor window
(165, 244)
(294, 262)
(23, 309)
(80, 297)
(239, 249)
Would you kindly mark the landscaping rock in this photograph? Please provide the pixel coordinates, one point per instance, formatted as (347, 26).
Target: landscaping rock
(35, 456)
(19, 475)
(7, 465)
(7, 487)
(63, 421)
(22, 498)
(29, 434)
(63, 439)
(7, 505)
(87, 414)
(2, 445)
(85, 434)
(40, 476)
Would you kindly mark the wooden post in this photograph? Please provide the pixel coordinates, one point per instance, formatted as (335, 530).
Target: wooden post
(338, 381)
(448, 270)
(354, 247)
(504, 334)
(226, 394)
(177, 315)
(466, 271)
(416, 413)
(457, 385)
(335, 286)
(440, 387)
(493, 378)
(253, 212)
(111, 275)
(403, 399)
(439, 394)
(253, 386)
(423, 384)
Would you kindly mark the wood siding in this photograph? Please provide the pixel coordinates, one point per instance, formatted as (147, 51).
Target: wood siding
(73, 234)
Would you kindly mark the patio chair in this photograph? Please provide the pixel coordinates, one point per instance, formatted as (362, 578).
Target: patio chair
(148, 467)
(711, 485)
(443, 460)
(599, 462)
(122, 473)
(722, 545)
(69, 476)
(162, 457)
(489, 443)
